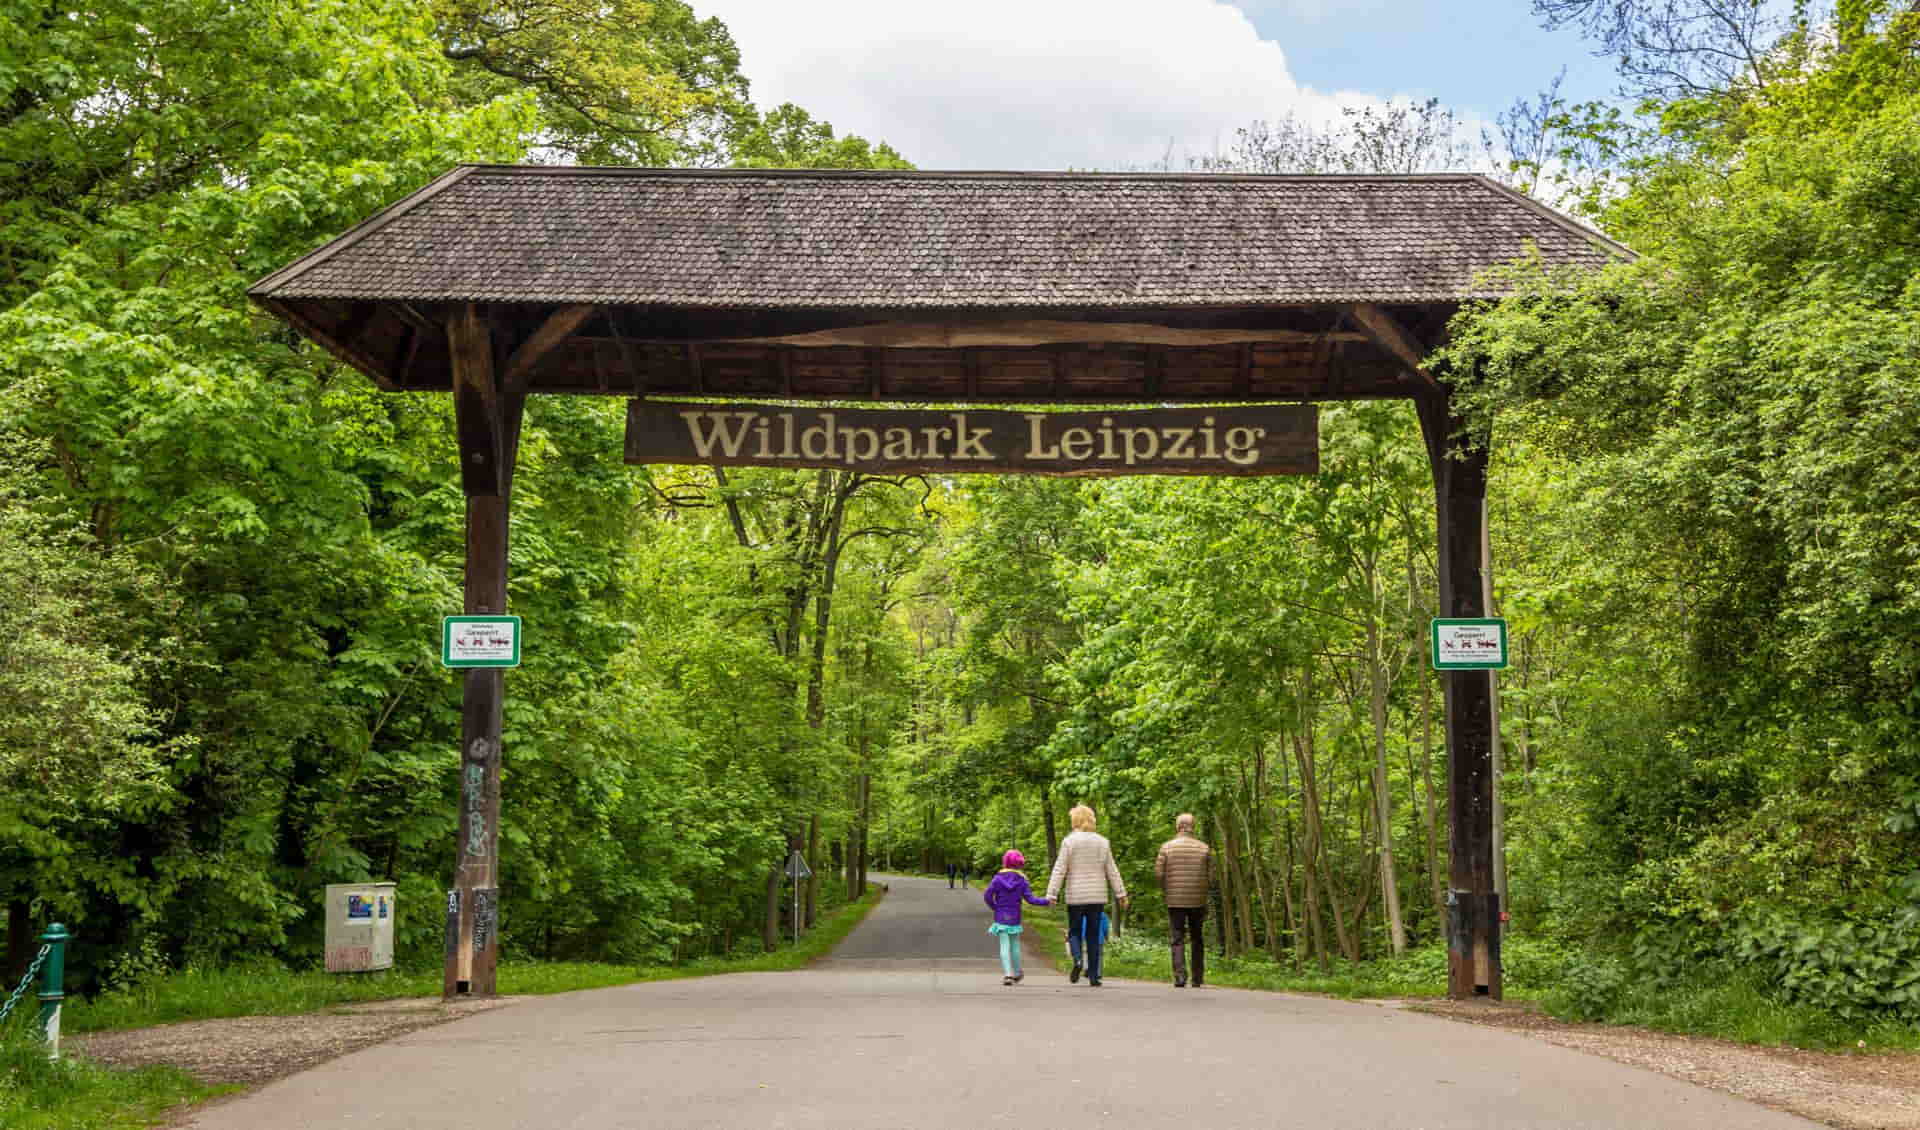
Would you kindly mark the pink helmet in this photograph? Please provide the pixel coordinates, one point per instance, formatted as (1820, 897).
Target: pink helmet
(1013, 860)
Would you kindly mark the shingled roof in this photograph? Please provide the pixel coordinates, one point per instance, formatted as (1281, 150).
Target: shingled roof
(758, 239)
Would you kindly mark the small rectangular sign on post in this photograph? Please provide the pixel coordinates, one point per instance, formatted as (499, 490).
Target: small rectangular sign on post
(1470, 645)
(480, 641)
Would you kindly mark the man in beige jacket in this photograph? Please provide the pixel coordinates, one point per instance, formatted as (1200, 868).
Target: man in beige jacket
(1085, 865)
(1185, 870)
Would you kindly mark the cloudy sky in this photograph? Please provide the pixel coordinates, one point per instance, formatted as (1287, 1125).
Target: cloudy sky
(1103, 84)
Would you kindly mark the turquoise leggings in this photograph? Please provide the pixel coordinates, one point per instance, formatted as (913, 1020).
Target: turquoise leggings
(1010, 954)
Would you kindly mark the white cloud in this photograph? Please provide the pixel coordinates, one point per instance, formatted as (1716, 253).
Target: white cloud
(1022, 84)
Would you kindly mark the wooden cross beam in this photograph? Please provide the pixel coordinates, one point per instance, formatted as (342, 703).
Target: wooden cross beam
(559, 326)
(1387, 333)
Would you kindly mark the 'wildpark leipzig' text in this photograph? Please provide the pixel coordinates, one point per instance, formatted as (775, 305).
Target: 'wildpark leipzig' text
(1249, 440)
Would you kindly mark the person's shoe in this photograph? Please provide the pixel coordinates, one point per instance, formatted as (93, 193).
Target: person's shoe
(1073, 975)
(1019, 977)
(1179, 984)
(1093, 982)
(1006, 980)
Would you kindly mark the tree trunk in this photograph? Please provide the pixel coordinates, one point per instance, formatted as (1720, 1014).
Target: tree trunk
(770, 928)
(1310, 850)
(1218, 895)
(1493, 705)
(1263, 887)
(810, 892)
(837, 490)
(1242, 903)
(1436, 884)
(1223, 875)
(854, 833)
(1046, 814)
(866, 824)
(1383, 801)
(1311, 803)
(1285, 881)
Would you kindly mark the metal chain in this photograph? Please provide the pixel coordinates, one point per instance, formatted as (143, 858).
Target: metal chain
(24, 982)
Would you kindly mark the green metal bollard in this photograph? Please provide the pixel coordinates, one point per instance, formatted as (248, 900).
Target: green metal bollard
(53, 985)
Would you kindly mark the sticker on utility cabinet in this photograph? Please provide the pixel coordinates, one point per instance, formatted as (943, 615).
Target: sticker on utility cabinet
(1469, 645)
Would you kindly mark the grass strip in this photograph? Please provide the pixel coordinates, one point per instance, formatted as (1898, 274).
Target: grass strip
(1729, 1004)
(38, 1094)
(1143, 954)
(271, 990)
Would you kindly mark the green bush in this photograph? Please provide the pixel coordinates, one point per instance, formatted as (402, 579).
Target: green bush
(1527, 962)
(1859, 968)
(1588, 987)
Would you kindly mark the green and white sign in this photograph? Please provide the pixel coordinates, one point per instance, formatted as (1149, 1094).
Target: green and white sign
(1469, 645)
(480, 641)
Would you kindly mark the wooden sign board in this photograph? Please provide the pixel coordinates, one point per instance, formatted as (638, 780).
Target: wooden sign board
(1239, 440)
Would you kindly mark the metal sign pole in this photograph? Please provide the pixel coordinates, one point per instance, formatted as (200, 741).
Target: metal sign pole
(797, 870)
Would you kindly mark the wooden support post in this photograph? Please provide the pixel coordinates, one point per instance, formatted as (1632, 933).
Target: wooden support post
(1473, 906)
(487, 416)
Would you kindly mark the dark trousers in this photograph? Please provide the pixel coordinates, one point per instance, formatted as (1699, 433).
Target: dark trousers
(1083, 927)
(1181, 922)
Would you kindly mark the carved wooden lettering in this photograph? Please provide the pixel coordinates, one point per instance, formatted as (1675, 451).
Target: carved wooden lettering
(1238, 440)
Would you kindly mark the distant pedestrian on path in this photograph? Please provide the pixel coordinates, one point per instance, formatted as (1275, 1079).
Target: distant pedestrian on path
(952, 871)
(966, 872)
(1005, 896)
(1185, 870)
(1087, 870)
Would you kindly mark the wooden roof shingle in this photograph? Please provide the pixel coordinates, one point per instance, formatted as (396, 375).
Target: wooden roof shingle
(759, 239)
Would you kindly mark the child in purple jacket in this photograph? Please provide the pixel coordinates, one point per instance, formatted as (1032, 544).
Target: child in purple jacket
(1005, 894)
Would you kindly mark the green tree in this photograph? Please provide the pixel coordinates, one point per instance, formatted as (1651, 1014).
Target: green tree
(626, 82)
(83, 633)
(1733, 418)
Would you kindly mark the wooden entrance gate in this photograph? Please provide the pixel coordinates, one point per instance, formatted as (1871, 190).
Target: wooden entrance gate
(1038, 289)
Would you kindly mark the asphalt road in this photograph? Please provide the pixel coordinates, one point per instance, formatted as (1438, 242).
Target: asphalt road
(909, 1026)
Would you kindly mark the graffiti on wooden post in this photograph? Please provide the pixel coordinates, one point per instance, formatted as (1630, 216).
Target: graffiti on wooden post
(483, 913)
(476, 794)
(453, 922)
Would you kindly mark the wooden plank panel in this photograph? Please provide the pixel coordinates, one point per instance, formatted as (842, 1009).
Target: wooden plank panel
(1252, 440)
(1110, 374)
(1022, 332)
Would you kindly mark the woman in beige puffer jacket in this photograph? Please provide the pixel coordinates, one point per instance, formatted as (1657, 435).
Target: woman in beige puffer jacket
(1086, 867)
